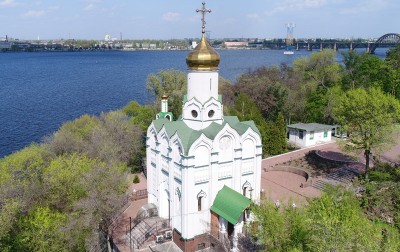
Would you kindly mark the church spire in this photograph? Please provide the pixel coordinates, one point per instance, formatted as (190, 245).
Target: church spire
(203, 57)
(203, 11)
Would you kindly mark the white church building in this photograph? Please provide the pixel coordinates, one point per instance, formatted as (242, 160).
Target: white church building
(204, 169)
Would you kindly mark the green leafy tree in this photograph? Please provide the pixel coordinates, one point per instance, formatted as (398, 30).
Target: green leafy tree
(61, 179)
(277, 136)
(282, 228)
(264, 86)
(337, 223)
(315, 106)
(281, 126)
(333, 222)
(320, 68)
(92, 215)
(363, 71)
(392, 70)
(368, 116)
(40, 231)
(172, 83)
(140, 115)
(73, 136)
(246, 109)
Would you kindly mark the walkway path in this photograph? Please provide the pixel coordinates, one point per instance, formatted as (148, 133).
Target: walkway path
(121, 224)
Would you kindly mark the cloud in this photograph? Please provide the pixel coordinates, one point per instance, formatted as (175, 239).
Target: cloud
(34, 13)
(39, 13)
(289, 5)
(90, 7)
(7, 3)
(170, 16)
(365, 7)
(53, 8)
(255, 17)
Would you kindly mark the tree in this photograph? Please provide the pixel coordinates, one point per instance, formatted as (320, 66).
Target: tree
(246, 109)
(368, 116)
(264, 86)
(92, 215)
(277, 136)
(362, 71)
(172, 83)
(333, 222)
(320, 68)
(281, 125)
(337, 223)
(281, 228)
(140, 115)
(392, 70)
(40, 231)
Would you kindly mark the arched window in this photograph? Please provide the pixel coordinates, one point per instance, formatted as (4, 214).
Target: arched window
(178, 193)
(247, 189)
(200, 196)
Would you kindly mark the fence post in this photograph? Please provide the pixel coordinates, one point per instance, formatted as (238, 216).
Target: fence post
(130, 233)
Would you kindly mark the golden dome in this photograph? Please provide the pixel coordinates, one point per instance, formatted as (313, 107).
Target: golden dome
(203, 57)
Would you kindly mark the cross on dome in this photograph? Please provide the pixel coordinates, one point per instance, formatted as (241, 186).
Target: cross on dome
(203, 11)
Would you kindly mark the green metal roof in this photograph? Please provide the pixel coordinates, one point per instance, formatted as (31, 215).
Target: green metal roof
(310, 126)
(188, 135)
(164, 114)
(230, 204)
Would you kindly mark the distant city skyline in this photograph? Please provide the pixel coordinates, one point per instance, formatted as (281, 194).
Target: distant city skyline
(173, 19)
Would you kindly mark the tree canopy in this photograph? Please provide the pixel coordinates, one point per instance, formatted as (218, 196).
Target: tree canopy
(369, 117)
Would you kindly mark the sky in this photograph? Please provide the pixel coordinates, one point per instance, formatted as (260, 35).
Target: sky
(177, 19)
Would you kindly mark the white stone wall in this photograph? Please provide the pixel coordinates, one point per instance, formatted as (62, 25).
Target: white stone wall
(309, 139)
(175, 180)
(203, 85)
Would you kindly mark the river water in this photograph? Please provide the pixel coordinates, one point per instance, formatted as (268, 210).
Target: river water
(39, 91)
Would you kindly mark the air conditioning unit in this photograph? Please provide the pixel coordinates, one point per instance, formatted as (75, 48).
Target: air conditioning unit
(168, 234)
(159, 238)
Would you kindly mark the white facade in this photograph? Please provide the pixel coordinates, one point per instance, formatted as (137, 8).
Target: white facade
(190, 160)
(178, 181)
(306, 135)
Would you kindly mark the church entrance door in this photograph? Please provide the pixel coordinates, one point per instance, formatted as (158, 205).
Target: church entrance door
(165, 205)
(231, 228)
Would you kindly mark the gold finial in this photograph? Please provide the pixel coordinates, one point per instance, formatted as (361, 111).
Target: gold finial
(203, 57)
(203, 14)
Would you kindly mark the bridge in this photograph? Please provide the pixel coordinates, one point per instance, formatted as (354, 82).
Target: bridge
(385, 41)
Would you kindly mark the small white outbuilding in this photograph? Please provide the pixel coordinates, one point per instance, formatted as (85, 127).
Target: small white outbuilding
(309, 134)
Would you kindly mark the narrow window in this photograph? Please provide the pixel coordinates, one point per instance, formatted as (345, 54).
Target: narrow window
(311, 135)
(199, 199)
(325, 134)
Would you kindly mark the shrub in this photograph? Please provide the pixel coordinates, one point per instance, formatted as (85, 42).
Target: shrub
(379, 176)
(136, 179)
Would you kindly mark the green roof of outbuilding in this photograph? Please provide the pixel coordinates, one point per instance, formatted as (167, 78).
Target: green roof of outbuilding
(310, 126)
(188, 135)
(230, 204)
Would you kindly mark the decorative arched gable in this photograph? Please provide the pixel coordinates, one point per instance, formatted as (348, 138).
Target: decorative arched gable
(248, 148)
(251, 134)
(202, 155)
(212, 110)
(192, 110)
